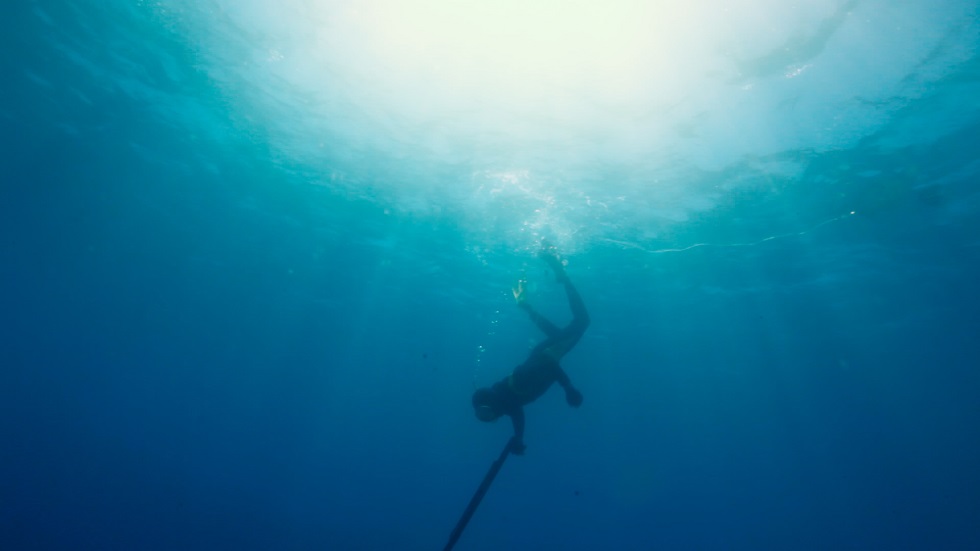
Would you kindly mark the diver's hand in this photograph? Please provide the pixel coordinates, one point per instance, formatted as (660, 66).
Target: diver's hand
(517, 447)
(573, 397)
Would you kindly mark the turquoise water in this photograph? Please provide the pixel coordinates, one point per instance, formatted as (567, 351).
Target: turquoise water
(256, 256)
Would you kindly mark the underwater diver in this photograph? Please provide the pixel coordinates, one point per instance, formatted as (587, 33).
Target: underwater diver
(532, 378)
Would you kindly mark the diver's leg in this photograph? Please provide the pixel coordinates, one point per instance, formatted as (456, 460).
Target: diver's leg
(558, 344)
(580, 316)
(550, 256)
(568, 336)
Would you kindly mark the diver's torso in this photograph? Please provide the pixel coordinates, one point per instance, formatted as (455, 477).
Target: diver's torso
(533, 378)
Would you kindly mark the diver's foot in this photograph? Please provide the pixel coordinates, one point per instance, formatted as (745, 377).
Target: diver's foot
(520, 291)
(549, 254)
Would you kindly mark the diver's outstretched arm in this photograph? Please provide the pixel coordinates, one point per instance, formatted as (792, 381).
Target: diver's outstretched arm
(572, 395)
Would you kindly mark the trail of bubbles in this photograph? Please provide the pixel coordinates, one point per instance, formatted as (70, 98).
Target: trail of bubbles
(629, 245)
(481, 349)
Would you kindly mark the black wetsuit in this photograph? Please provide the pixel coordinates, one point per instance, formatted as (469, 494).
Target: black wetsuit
(535, 376)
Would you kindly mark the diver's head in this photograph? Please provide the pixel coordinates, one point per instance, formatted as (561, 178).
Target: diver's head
(484, 402)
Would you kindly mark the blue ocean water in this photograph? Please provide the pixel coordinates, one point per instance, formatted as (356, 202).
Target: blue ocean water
(256, 256)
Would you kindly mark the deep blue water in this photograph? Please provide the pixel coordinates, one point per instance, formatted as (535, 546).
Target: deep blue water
(214, 338)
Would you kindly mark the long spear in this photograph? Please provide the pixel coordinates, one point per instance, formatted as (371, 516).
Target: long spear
(478, 496)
